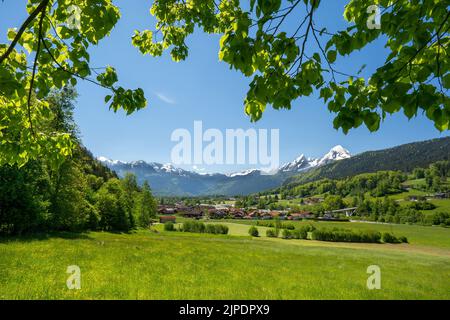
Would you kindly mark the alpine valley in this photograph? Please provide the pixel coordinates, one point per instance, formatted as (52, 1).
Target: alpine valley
(167, 180)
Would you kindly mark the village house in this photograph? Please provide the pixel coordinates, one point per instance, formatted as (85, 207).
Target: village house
(301, 215)
(222, 206)
(274, 214)
(347, 211)
(278, 214)
(312, 201)
(265, 214)
(206, 207)
(218, 213)
(237, 213)
(416, 198)
(195, 213)
(164, 219)
(162, 209)
(327, 216)
(253, 215)
(441, 195)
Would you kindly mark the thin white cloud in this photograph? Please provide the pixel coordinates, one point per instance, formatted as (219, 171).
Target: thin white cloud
(165, 98)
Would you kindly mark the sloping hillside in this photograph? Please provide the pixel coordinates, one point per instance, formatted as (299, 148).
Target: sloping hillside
(405, 158)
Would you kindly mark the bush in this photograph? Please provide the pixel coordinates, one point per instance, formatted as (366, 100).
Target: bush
(422, 205)
(275, 224)
(309, 228)
(194, 226)
(169, 226)
(403, 239)
(289, 226)
(389, 238)
(220, 229)
(302, 233)
(343, 235)
(440, 219)
(210, 228)
(200, 227)
(286, 234)
(253, 231)
(265, 223)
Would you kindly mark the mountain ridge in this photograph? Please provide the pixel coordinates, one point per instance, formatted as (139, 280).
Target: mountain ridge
(404, 157)
(166, 179)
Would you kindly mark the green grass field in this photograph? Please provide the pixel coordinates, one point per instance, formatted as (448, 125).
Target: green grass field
(417, 235)
(177, 265)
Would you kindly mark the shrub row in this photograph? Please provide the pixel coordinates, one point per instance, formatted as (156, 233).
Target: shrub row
(300, 233)
(294, 234)
(200, 227)
(390, 238)
(367, 236)
(343, 235)
(273, 224)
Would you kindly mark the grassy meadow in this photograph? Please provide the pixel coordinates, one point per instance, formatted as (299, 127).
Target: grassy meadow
(418, 236)
(176, 265)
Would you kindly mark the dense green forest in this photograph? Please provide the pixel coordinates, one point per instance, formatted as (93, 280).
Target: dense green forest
(77, 194)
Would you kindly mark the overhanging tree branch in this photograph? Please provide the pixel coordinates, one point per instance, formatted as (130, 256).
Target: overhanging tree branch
(33, 75)
(40, 8)
(71, 72)
(283, 17)
(423, 46)
(305, 40)
(323, 53)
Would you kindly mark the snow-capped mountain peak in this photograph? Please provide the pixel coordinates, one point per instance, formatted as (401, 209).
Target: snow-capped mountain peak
(336, 153)
(242, 173)
(109, 161)
(302, 163)
(169, 168)
(299, 164)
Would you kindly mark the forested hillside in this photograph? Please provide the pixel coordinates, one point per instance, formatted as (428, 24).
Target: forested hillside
(76, 193)
(421, 196)
(404, 158)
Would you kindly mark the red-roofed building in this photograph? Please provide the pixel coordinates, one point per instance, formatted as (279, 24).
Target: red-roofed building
(164, 219)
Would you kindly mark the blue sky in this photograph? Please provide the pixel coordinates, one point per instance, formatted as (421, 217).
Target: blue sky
(202, 88)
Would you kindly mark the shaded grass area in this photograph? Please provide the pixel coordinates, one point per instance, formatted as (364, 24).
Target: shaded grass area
(177, 265)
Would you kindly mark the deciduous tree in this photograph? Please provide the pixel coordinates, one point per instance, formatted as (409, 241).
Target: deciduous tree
(283, 64)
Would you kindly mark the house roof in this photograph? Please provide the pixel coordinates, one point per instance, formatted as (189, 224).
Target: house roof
(167, 217)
